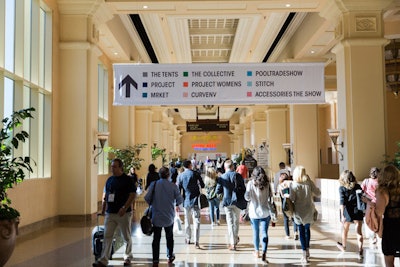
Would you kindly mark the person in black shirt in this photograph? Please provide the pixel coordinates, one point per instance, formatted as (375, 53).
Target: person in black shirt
(119, 193)
(152, 175)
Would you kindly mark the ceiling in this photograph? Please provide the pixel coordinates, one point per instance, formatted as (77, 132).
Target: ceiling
(224, 32)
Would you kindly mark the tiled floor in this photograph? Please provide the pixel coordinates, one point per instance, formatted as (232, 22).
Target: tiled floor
(70, 245)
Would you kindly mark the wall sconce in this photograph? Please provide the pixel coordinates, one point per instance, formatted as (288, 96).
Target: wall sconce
(102, 137)
(334, 135)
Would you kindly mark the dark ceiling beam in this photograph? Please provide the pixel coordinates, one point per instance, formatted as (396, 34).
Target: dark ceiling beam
(137, 22)
(279, 36)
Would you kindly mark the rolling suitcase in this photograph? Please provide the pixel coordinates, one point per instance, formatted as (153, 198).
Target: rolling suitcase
(97, 240)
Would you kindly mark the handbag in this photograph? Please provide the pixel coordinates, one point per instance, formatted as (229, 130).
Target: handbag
(373, 222)
(315, 215)
(145, 222)
(288, 207)
(272, 206)
(202, 201)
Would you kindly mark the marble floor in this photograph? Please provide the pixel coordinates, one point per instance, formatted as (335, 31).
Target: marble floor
(69, 244)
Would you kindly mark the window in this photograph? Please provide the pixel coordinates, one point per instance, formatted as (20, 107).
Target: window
(102, 113)
(25, 74)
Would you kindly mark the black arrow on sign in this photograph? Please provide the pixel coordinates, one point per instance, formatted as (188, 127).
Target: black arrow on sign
(128, 81)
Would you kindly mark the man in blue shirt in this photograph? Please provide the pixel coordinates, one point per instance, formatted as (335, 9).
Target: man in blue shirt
(190, 182)
(226, 185)
(165, 202)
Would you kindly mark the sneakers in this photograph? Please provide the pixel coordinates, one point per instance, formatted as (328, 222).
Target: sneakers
(304, 260)
(232, 247)
(341, 247)
(256, 254)
(218, 223)
(171, 259)
(287, 237)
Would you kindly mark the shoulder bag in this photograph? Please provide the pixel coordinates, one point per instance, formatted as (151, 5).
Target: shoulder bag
(145, 221)
(271, 205)
(239, 191)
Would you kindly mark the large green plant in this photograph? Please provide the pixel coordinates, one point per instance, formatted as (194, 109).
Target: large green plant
(12, 169)
(157, 152)
(396, 159)
(129, 156)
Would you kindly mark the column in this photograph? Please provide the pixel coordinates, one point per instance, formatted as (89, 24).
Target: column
(144, 135)
(304, 137)
(277, 135)
(361, 92)
(76, 108)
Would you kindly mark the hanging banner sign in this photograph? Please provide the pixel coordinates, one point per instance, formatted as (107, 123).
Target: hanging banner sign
(216, 84)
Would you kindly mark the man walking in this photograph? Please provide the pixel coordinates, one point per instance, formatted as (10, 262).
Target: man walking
(190, 182)
(119, 193)
(226, 185)
(165, 202)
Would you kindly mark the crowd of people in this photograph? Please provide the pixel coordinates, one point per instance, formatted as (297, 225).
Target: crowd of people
(228, 186)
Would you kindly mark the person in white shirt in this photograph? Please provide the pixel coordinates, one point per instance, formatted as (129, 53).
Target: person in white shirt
(257, 193)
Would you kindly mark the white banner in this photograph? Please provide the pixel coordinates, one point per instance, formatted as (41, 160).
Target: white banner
(216, 84)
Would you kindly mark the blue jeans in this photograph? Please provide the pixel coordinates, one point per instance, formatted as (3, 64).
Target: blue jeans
(214, 209)
(305, 235)
(169, 236)
(255, 224)
(286, 225)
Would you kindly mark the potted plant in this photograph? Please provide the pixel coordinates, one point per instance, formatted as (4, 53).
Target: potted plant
(157, 152)
(12, 171)
(129, 156)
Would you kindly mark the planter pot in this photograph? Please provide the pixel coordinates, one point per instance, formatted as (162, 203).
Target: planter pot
(8, 237)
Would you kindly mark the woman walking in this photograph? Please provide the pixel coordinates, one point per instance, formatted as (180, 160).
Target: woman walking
(348, 210)
(302, 190)
(369, 186)
(388, 205)
(284, 189)
(210, 181)
(258, 190)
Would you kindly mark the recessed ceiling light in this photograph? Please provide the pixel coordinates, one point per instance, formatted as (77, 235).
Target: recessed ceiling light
(312, 52)
(115, 53)
(145, 7)
(288, 5)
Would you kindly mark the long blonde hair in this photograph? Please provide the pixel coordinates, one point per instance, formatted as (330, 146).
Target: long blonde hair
(300, 174)
(210, 178)
(347, 179)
